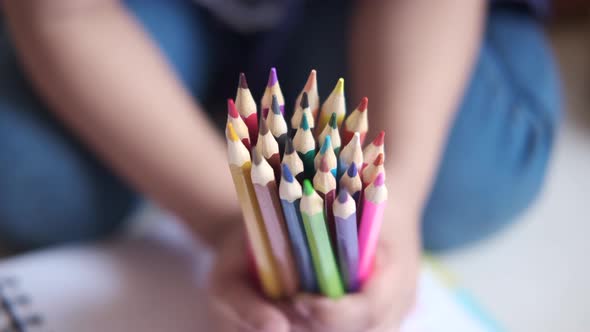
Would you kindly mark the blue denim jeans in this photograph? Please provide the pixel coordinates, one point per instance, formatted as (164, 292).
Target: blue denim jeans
(53, 190)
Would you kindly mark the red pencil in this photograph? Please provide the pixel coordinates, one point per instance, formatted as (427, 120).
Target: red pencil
(357, 122)
(371, 151)
(370, 172)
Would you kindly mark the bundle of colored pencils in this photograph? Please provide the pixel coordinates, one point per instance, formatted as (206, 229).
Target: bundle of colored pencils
(312, 198)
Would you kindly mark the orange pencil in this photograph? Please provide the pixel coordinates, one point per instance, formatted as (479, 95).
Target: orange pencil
(356, 122)
(247, 108)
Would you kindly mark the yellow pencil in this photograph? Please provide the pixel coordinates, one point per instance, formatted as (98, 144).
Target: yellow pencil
(240, 165)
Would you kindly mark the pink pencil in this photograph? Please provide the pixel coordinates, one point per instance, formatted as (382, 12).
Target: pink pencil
(374, 201)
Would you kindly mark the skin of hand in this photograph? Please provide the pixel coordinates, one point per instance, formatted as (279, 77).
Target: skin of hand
(236, 304)
(383, 301)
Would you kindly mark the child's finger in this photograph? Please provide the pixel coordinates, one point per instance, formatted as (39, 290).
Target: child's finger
(241, 308)
(387, 293)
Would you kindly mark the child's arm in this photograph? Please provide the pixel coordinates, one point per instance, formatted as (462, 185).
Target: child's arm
(413, 58)
(101, 74)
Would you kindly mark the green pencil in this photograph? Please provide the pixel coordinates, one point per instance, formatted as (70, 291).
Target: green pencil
(324, 261)
(304, 144)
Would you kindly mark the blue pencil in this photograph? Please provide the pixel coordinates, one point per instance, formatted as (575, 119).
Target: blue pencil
(290, 194)
(347, 240)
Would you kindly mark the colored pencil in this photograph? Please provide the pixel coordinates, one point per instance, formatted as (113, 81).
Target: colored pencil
(372, 150)
(277, 124)
(327, 152)
(347, 239)
(370, 172)
(312, 213)
(290, 194)
(311, 89)
(352, 152)
(374, 201)
(356, 122)
(269, 202)
(238, 123)
(335, 103)
(240, 166)
(268, 148)
(292, 160)
(247, 108)
(305, 146)
(351, 182)
(299, 111)
(332, 130)
(325, 184)
(272, 88)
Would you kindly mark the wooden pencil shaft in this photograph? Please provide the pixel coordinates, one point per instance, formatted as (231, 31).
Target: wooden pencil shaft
(348, 253)
(255, 229)
(300, 247)
(322, 254)
(271, 210)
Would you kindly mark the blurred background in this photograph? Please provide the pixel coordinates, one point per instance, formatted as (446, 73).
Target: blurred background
(534, 275)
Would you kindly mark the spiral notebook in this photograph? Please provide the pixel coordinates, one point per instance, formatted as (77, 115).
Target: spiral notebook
(152, 281)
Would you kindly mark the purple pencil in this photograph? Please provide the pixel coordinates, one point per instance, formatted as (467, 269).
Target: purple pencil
(347, 239)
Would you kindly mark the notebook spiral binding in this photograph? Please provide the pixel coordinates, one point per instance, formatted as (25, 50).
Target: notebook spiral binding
(15, 309)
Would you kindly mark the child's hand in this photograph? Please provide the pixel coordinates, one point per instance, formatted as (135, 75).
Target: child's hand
(235, 303)
(384, 300)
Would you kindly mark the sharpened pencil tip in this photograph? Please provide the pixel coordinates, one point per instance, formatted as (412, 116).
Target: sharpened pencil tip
(352, 170)
(380, 139)
(379, 180)
(275, 107)
(256, 158)
(231, 109)
(262, 127)
(311, 80)
(304, 123)
(304, 100)
(324, 165)
(379, 160)
(363, 105)
(272, 77)
(231, 133)
(333, 121)
(286, 172)
(327, 144)
(289, 146)
(243, 83)
(343, 196)
(308, 188)
(339, 89)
